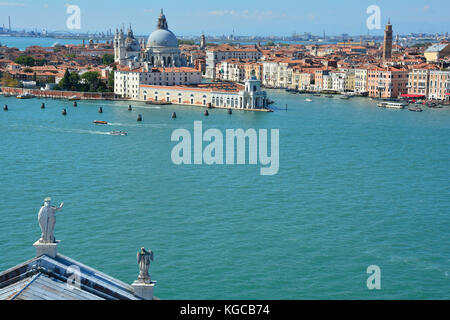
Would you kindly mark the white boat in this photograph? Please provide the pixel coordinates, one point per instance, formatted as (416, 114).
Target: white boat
(393, 105)
(396, 105)
(308, 100)
(118, 133)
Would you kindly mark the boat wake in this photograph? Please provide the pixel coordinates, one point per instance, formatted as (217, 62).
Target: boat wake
(137, 125)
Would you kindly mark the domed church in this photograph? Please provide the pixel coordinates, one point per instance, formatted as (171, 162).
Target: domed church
(161, 49)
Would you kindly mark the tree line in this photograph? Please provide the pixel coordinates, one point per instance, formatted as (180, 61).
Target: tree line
(87, 82)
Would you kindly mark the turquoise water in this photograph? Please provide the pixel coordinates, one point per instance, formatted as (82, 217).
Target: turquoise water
(358, 186)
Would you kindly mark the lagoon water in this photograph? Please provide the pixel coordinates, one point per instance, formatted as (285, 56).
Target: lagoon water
(358, 186)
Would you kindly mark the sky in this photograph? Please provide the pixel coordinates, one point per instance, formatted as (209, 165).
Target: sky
(244, 17)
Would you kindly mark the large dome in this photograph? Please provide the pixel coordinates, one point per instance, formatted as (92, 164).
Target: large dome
(162, 38)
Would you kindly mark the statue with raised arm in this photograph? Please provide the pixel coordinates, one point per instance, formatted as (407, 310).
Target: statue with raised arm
(47, 220)
(143, 258)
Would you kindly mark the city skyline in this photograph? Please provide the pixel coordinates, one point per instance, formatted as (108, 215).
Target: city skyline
(263, 19)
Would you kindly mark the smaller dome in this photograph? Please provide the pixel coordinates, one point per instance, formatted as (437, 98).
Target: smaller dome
(132, 45)
(162, 38)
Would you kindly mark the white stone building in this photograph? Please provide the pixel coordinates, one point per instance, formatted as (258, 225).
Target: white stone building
(361, 81)
(161, 50)
(127, 82)
(219, 95)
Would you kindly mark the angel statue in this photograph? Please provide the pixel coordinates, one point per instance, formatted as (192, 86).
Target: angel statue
(143, 258)
(47, 220)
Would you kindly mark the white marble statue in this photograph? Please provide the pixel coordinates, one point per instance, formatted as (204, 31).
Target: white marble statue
(47, 220)
(143, 258)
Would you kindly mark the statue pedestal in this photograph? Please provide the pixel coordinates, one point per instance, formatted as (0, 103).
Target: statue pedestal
(143, 290)
(48, 249)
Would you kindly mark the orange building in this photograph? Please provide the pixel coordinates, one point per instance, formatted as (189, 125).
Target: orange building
(388, 82)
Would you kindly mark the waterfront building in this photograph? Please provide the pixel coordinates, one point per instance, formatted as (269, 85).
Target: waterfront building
(361, 81)
(318, 79)
(302, 80)
(439, 85)
(418, 80)
(220, 95)
(388, 82)
(278, 73)
(161, 50)
(387, 47)
(220, 53)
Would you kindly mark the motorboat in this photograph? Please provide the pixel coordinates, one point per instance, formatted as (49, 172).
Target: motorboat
(73, 98)
(118, 133)
(25, 96)
(308, 100)
(415, 109)
(100, 122)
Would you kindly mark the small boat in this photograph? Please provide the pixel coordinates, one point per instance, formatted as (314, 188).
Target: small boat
(345, 97)
(118, 133)
(73, 98)
(331, 97)
(100, 122)
(415, 109)
(316, 95)
(25, 96)
(308, 100)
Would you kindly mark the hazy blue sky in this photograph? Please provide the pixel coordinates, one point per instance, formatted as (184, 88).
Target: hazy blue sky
(246, 17)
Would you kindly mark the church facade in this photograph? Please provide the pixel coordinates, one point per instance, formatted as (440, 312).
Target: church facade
(161, 49)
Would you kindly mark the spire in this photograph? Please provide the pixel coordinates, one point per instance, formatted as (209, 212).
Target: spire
(162, 22)
(130, 32)
(389, 21)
